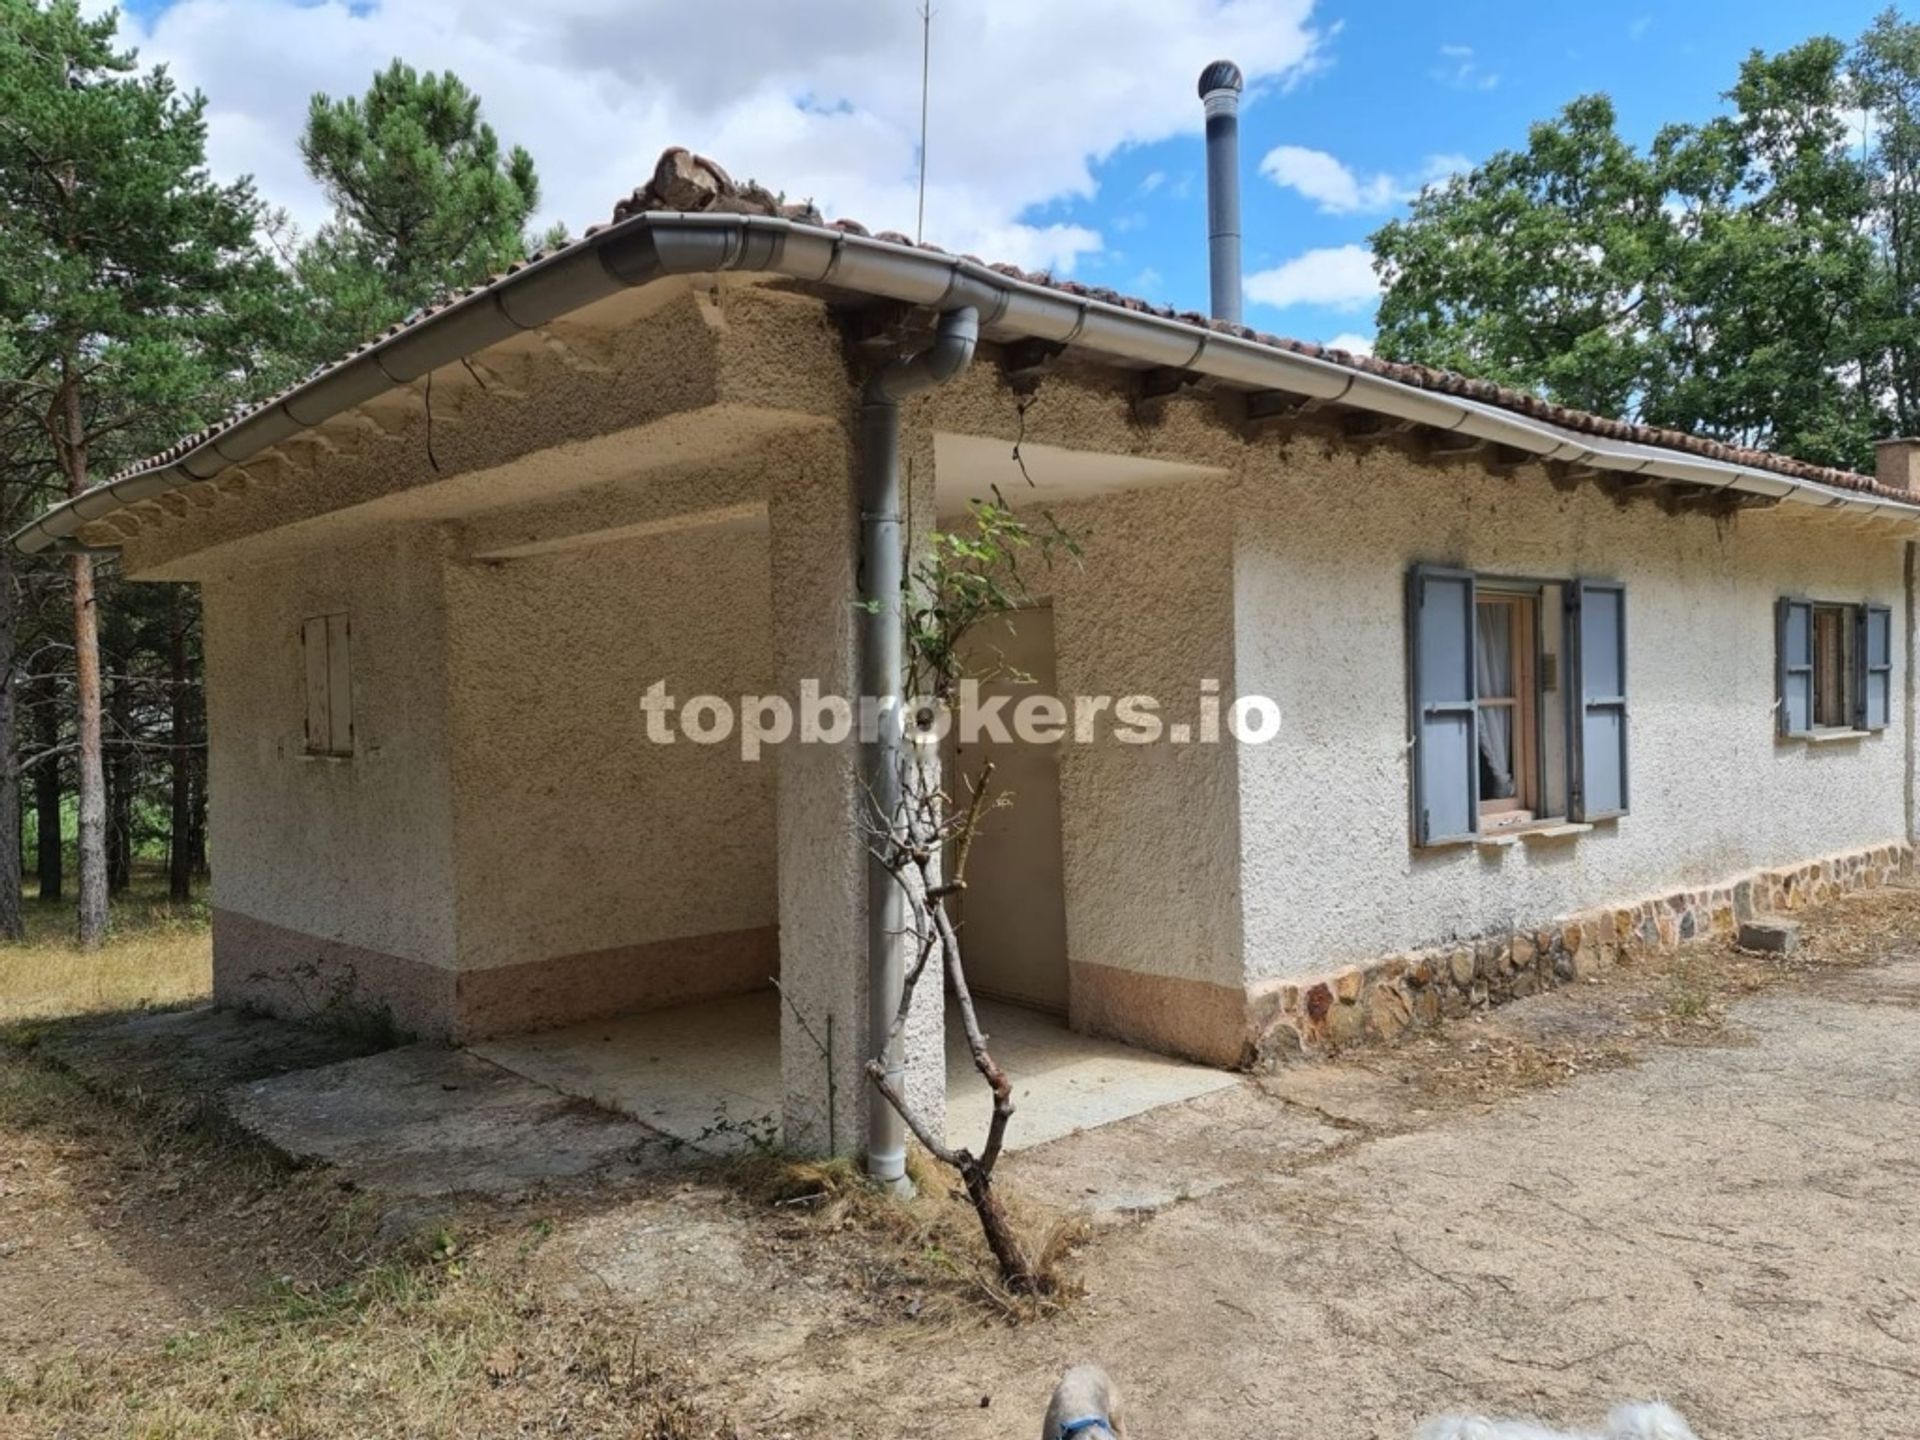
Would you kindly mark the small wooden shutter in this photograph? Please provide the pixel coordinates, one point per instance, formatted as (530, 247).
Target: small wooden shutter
(1443, 696)
(1873, 665)
(1793, 626)
(313, 644)
(339, 687)
(324, 642)
(1597, 633)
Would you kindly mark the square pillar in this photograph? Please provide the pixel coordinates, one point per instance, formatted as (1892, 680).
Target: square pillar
(824, 1045)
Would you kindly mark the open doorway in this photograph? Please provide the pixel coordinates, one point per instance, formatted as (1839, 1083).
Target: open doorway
(1013, 914)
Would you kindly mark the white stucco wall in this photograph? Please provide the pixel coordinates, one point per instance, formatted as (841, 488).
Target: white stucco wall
(1323, 544)
(350, 850)
(1149, 833)
(574, 833)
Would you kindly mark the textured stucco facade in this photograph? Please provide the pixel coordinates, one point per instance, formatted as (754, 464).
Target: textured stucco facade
(1320, 564)
(662, 489)
(335, 873)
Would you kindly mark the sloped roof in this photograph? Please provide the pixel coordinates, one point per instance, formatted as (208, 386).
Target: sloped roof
(687, 184)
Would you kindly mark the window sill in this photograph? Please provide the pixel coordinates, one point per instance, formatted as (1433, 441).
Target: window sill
(1835, 736)
(1538, 830)
(1557, 830)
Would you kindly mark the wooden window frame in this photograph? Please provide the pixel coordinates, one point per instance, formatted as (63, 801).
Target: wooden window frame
(1834, 623)
(1522, 808)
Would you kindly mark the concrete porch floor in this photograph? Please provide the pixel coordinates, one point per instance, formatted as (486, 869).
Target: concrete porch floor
(708, 1074)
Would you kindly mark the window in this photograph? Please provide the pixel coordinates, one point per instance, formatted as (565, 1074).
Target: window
(1835, 667)
(1498, 741)
(1505, 653)
(325, 639)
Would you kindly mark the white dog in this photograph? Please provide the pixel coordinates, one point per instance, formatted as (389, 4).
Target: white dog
(1086, 1406)
(1627, 1422)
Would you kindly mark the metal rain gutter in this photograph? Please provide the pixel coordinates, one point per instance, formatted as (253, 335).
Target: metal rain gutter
(657, 244)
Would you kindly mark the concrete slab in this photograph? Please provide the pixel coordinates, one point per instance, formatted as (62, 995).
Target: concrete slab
(424, 1120)
(191, 1052)
(1062, 1082)
(709, 1074)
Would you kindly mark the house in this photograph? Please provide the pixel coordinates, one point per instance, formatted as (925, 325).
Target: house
(1550, 685)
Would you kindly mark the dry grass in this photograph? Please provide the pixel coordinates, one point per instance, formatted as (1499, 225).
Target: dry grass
(432, 1342)
(928, 1252)
(158, 954)
(285, 1306)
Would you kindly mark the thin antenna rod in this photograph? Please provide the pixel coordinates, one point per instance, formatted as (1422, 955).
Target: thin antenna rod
(926, 58)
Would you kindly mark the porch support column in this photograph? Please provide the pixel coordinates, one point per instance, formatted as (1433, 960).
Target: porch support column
(822, 885)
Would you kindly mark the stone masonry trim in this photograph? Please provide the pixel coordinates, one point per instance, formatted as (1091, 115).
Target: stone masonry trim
(1383, 999)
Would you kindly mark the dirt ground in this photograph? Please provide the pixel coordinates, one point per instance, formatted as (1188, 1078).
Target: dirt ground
(1696, 1179)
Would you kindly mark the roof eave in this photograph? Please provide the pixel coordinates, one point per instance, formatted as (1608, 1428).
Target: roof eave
(656, 244)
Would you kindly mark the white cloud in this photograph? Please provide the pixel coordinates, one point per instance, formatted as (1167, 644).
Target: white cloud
(1337, 190)
(1339, 276)
(1351, 343)
(819, 101)
(1460, 69)
(1325, 181)
(1639, 26)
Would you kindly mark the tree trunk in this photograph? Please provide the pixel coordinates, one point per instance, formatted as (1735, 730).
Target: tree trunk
(197, 843)
(1015, 1268)
(51, 857)
(71, 444)
(12, 916)
(122, 782)
(92, 914)
(180, 825)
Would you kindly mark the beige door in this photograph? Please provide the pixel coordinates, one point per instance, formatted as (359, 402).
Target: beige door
(1013, 916)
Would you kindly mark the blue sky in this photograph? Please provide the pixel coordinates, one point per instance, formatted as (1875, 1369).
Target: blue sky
(1407, 82)
(1066, 133)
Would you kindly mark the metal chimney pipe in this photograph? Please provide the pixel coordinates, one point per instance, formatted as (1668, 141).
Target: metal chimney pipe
(1220, 86)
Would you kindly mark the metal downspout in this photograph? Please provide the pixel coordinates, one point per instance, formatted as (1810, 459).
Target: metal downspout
(882, 665)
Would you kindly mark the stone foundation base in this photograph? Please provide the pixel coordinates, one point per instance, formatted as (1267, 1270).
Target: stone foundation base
(304, 977)
(1379, 1001)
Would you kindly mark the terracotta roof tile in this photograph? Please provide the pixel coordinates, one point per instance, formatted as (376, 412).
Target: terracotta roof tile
(683, 181)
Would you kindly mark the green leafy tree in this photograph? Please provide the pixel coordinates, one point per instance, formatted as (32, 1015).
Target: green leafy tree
(1535, 270)
(132, 291)
(1885, 69)
(1745, 279)
(424, 200)
(1771, 274)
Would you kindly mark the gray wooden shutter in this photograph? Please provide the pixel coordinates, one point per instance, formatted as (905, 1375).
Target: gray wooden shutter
(1873, 667)
(1793, 626)
(1597, 636)
(313, 644)
(339, 687)
(1444, 700)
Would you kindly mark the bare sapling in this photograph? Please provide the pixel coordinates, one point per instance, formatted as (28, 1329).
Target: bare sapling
(964, 580)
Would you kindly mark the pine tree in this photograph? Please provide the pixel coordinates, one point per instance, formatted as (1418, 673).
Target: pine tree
(424, 201)
(131, 292)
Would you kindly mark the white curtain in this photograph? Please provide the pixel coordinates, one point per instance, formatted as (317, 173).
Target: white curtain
(1494, 624)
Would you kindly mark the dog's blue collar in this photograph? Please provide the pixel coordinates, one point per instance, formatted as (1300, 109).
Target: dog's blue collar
(1069, 1429)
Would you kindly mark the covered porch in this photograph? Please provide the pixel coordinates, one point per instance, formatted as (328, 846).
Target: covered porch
(709, 1075)
(491, 840)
